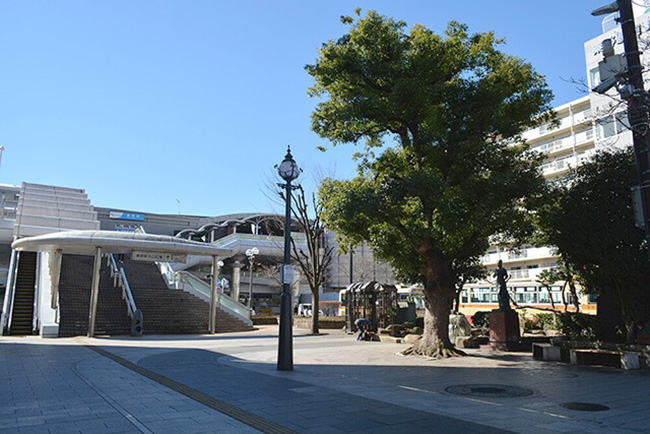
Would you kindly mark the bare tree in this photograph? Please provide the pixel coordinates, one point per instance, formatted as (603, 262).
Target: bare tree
(272, 271)
(315, 261)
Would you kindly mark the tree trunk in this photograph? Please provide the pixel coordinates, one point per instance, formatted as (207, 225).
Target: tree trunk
(631, 331)
(574, 295)
(550, 296)
(314, 310)
(610, 317)
(435, 340)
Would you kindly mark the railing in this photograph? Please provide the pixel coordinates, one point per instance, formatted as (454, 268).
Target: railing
(119, 280)
(178, 279)
(552, 146)
(8, 305)
(583, 116)
(168, 273)
(559, 164)
(516, 254)
(519, 274)
(8, 211)
(234, 307)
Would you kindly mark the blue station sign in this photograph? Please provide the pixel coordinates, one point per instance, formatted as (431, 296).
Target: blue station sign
(119, 215)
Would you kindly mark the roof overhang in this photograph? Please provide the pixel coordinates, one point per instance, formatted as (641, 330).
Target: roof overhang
(86, 243)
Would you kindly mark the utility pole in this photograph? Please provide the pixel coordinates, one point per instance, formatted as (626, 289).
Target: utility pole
(629, 83)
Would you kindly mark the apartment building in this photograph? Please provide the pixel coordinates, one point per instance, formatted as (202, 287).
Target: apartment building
(584, 126)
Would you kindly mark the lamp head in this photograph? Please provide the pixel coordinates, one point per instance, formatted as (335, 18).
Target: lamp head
(604, 10)
(288, 169)
(606, 85)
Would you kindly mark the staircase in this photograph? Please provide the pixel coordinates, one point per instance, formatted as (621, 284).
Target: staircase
(168, 311)
(74, 300)
(22, 313)
(164, 311)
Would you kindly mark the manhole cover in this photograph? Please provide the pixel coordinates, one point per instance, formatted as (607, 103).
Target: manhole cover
(584, 406)
(489, 390)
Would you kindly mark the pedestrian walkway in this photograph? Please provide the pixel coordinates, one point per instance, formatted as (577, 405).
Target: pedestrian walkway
(60, 386)
(228, 383)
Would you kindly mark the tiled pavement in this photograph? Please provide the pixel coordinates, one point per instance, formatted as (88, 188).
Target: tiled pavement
(339, 385)
(51, 387)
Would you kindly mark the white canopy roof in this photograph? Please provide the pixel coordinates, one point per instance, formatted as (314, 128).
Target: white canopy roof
(86, 243)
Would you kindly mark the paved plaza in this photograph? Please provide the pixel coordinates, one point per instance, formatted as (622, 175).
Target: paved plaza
(228, 383)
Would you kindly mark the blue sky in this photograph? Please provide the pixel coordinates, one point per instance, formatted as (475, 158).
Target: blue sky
(145, 102)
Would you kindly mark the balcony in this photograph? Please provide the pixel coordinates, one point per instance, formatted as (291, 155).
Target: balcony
(518, 254)
(557, 166)
(585, 138)
(585, 116)
(519, 274)
(555, 146)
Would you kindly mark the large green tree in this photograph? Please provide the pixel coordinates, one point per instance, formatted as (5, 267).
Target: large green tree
(589, 218)
(442, 170)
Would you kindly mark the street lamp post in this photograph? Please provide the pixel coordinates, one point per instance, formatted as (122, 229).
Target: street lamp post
(289, 171)
(251, 253)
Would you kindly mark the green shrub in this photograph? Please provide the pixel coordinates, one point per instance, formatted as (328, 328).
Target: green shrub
(545, 321)
(481, 319)
(540, 321)
(531, 324)
(578, 326)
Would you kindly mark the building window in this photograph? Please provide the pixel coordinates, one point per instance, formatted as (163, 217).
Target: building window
(594, 77)
(543, 296)
(612, 125)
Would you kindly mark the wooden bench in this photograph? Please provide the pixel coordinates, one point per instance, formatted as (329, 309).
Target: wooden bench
(546, 351)
(617, 359)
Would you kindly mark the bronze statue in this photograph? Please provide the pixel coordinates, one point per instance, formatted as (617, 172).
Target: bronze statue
(502, 278)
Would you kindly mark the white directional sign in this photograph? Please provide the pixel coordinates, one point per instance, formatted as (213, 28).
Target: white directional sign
(287, 274)
(158, 257)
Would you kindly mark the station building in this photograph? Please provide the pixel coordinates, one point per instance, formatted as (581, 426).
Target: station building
(167, 261)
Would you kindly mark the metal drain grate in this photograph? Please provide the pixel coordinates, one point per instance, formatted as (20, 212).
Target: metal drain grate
(489, 391)
(584, 406)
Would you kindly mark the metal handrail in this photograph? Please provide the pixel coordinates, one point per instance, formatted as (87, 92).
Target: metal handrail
(168, 272)
(119, 280)
(200, 286)
(223, 299)
(126, 292)
(8, 306)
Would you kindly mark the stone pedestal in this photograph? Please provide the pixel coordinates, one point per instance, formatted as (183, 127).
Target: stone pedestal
(504, 330)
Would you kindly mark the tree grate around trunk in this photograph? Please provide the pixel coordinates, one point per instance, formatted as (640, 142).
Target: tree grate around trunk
(489, 391)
